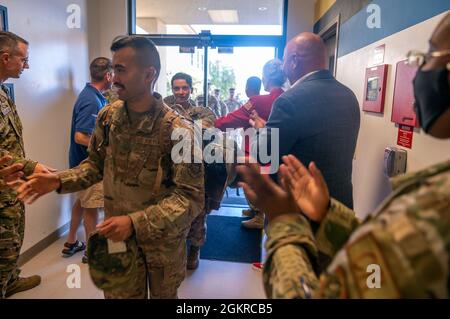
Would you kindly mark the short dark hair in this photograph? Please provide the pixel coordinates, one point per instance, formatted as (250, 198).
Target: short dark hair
(182, 76)
(9, 41)
(148, 54)
(99, 67)
(254, 84)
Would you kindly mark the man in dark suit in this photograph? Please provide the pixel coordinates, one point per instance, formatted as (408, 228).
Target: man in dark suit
(318, 118)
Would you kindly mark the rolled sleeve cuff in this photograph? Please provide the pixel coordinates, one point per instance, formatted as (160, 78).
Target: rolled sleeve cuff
(290, 229)
(146, 229)
(336, 228)
(138, 218)
(29, 167)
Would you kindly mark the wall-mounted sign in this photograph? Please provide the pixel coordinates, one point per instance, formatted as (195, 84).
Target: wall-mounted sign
(187, 49)
(225, 50)
(405, 136)
(377, 55)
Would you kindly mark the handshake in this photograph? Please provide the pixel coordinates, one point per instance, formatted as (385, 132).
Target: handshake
(43, 180)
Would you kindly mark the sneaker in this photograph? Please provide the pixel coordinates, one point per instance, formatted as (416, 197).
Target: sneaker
(258, 266)
(23, 284)
(256, 222)
(193, 259)
(71, 249)
(248, 213)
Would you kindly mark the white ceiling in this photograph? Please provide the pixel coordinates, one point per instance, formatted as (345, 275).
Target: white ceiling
(187, 12)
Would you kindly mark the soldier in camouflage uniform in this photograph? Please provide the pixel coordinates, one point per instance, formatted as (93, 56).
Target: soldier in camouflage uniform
(399, 251)
(182, 103)
(13, 60)
(232, 103)
(150, 200)
(181, 88)
(213, 103)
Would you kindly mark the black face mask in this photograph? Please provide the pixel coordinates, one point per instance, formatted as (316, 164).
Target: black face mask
(432, 93)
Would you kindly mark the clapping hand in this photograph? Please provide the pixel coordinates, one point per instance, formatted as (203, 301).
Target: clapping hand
(264, 193)
(307, 187)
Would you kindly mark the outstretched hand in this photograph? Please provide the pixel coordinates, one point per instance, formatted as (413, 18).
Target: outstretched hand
(307, 187)
(37, 185)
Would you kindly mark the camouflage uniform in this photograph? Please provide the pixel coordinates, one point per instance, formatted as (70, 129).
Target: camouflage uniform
(232, 105)
(408, 237)
(223, 108)
(171, 100)
(132, 156)
(12, 211)
(111, 96)
(197, 232)
(213, 104)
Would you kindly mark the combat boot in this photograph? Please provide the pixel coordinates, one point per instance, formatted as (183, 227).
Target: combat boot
(256, 222)
(23, 284)
(193, 258)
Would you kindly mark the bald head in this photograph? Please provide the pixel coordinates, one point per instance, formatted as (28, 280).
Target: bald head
(305, 53)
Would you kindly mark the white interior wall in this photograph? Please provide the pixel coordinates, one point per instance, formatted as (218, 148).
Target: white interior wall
(106, 19)
(45, 95)
(300, 17)
(377, 131)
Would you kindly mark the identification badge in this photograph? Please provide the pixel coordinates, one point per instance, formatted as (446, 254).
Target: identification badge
(116, 247)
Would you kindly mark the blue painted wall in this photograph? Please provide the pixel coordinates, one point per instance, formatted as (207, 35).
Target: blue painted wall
(396, 15)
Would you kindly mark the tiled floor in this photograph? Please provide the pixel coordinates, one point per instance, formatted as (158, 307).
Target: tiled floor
(213, 279)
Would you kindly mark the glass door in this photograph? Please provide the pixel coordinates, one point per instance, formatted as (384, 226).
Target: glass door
(222, 41)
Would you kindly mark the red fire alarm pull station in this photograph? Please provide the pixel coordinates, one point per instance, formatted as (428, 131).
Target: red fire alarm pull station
(375, 88)
(403, 103)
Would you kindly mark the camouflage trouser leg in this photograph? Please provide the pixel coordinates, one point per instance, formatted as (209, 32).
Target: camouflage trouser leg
(12, 225)
(165, 281)
(197, 233)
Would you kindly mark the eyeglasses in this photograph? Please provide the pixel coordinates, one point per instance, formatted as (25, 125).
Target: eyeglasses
(23, 60)
(418, 59)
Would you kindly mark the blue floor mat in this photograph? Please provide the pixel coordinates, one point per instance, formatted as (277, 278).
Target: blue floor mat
(227, 240)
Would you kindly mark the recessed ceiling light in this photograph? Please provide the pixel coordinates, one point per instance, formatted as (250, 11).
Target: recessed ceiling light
(262, 8)
(202, 9)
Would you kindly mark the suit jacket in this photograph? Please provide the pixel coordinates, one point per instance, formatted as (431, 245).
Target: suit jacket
(318, 120)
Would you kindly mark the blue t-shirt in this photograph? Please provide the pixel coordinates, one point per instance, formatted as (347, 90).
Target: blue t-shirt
(89, 103)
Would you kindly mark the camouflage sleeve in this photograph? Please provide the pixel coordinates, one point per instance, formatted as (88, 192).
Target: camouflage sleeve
(28, 165)
(90, 171)
(336, 228)
(174, 214)
(291, 255)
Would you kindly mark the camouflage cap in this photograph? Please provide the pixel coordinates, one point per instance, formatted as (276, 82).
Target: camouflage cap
(111, 271)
